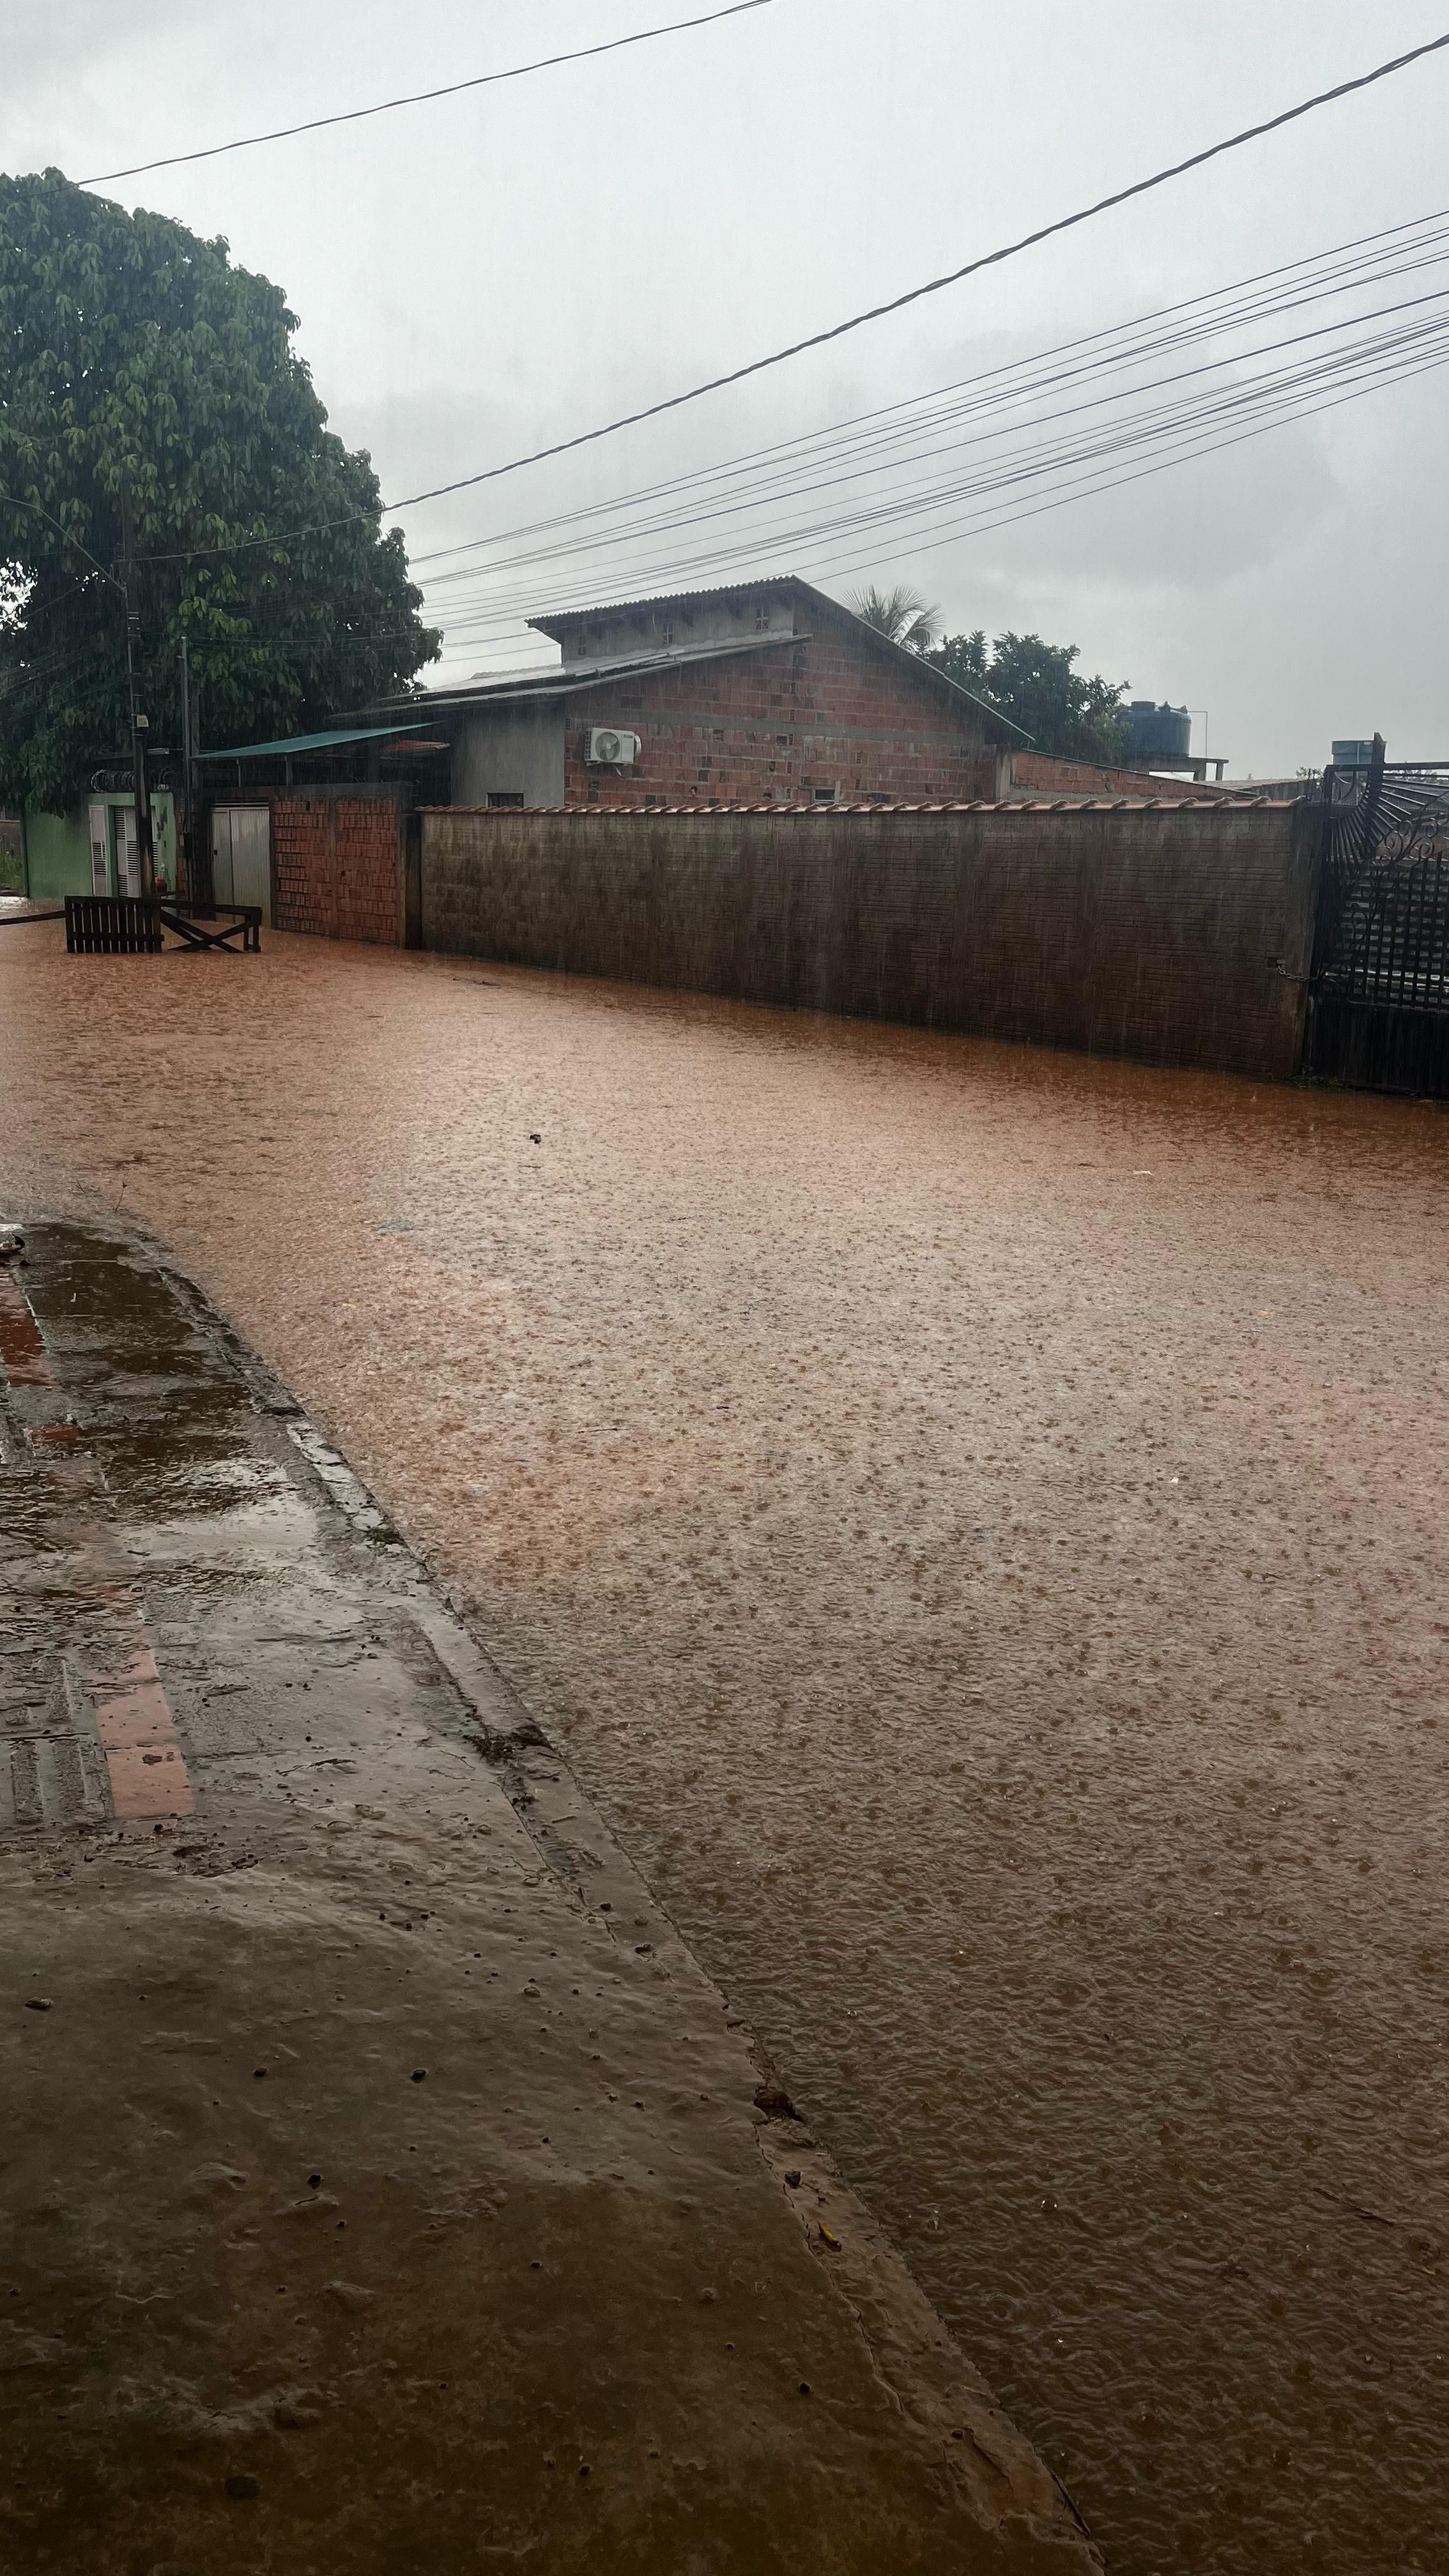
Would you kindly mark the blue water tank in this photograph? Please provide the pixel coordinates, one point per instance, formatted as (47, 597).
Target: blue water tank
(1157, 737)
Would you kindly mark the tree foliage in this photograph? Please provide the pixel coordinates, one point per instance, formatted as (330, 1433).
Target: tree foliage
(1034, 684)
(134, 354)
(901, 614)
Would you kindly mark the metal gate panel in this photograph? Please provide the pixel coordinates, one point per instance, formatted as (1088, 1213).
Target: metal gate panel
(241, 856)
(1378, 1011)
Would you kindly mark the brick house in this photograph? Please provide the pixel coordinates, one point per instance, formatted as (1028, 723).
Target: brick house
(766, 692)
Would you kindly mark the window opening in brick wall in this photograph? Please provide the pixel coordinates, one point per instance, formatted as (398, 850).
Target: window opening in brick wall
(505, 796)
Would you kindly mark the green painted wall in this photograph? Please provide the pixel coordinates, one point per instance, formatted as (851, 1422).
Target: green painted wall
(59, 847)
(59, 850)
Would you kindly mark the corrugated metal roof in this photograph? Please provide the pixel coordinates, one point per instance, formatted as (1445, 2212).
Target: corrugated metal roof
(775, 581)
(562, 682)
(313, 741)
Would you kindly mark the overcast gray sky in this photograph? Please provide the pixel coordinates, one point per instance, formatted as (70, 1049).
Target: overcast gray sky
(485, 274)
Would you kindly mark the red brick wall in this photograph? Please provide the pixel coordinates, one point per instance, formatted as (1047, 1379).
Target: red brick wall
(1048, 775)
(775, 724)
(335, 867)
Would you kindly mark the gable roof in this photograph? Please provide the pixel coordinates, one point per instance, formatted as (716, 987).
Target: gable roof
(778, 585)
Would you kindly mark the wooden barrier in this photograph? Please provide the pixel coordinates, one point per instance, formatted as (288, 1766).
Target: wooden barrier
(112, 925)
(128, 925)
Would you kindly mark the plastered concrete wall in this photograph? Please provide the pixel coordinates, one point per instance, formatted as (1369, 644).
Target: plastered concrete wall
(509, 751)
(659, 625)
(58, 846)
(1126, 931)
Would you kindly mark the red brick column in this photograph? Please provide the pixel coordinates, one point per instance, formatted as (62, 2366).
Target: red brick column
(335, 867)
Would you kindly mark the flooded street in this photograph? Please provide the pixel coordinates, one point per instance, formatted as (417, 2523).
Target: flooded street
(976, 1518)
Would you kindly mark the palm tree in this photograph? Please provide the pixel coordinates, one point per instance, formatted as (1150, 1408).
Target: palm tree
(901, 614)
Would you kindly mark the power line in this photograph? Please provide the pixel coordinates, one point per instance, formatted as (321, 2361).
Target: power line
(421, 97)
(1212, 447)
(876, 313)
(1316, 278)
(1191, 395)
(13, 500)
(1113, 482)
(935, 285)
(777, 489)
(1277, 401)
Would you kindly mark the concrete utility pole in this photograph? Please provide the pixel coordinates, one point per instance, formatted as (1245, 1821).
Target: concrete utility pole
(140, 724)
(188, 755)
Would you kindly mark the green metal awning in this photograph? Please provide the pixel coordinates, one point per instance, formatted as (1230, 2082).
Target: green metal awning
(313, 742)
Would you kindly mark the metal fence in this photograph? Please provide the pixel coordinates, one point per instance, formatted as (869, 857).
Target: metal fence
(1378, 1015)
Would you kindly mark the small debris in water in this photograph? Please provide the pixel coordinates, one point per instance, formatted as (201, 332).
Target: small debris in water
(775, 2102)
(38, 2003)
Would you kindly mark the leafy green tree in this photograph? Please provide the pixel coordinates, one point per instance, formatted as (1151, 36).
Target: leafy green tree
(966, 659)
(1034, 684)
(901, 614)
(140, 370)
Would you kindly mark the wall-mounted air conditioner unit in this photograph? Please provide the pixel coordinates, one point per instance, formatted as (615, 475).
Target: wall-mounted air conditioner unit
(610, 749)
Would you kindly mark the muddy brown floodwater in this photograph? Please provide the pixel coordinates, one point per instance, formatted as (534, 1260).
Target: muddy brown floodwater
(976, 1515)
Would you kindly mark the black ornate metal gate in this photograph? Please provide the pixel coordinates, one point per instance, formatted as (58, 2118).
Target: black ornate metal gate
(1378, 999)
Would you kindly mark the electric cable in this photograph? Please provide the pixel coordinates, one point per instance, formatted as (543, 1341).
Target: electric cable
(422, 97)
(1113, 349)
(856, 322)
(1409, 365)
(14, 502)
(935, 285)
(1275, 386)
(858, 473)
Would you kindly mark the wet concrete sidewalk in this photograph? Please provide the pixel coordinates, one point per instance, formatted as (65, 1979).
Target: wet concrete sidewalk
(385, 2186)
